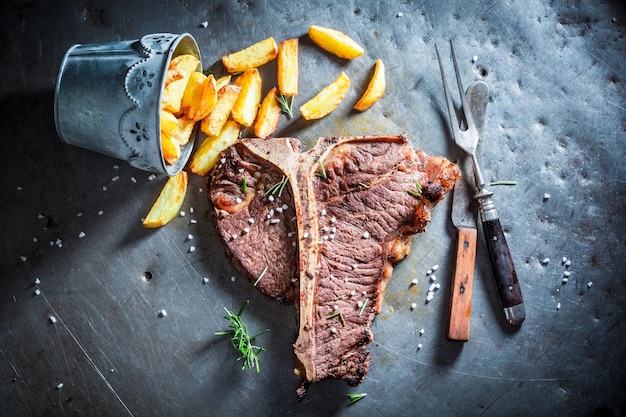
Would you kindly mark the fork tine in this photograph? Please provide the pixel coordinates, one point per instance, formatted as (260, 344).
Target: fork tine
(469, 118)
(454, 124)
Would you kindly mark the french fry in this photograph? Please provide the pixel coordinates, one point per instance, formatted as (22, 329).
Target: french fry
(199, 97)
(268, 116)
(247, 104)
(287, 66)
(253, 56)
(206, 155)
(212, 124)
(375, 88)
(335, 42)
(169, 202)
(326, 100)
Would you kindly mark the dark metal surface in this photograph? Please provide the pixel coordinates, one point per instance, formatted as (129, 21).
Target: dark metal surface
(556, 125)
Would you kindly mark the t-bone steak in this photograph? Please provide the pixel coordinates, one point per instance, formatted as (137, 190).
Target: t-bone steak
(321, 229)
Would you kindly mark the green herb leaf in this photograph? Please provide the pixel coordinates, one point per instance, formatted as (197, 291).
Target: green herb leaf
(322, 172)
(340, 314)
(355, 397)
(363, 306)
(503, 182)
(278, 187)
(286, 105)
(244, 185)
(260, 276)
(415, 193)
(362, 184)
(241, 340)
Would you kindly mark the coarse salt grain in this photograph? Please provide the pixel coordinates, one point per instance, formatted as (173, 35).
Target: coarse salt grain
(589, 284)
(23, 258)
(35, 239)
(52, 319)
(414, 281)
(100, 212)
(545, 261)
(115, 178)
(223, 161)
(435, 267)
(546, 196)
(193, 221)
(565, 279)
(246, 230)
(205, 280)
(37, 291)
(189, 236)
(285, 207)
(422, 331)
(419, 345)
(333, 219)
(566, 273)
(568, 263)
(204, 24)
(162, 313)
(37, 281)
(433, 278)
(40, 216)
(190, 210)
(182, 213)
(232, 279)
(192, 249)
(251, 220)
(359, 304)
(238, 200)
(275, 221)
(151, 177)
(333, 330)
(104, 188)
(305, 235)
(558, 306)
(133, 179)
(60, 385)
(323, 212)
(81, 235)
(564, 260)
(413, 306)
(366, 235)
(270, 197)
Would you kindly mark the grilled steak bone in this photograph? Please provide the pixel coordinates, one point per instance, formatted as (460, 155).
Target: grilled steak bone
(328, 239)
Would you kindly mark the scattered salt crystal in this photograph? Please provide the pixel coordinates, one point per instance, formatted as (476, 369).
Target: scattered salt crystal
(413, 306)
(359, 304)
(52, 319)
(474, 59)
(366, 235)
(565, 279)
(419, 345)
(37, 291)
(558, 306)
(51, 243)
(60, 385)
(545, 261)
(35, 240)
(414, 282)
(566, 273)
(133, 179)
(285, 207)
(241, 170)
(290, 234)
(162, 313)
(568, 263)
(399, 14)
(305, 235)
(23, 258)
(40, 216)
(422, 331)
(189, 236)
(546, 196)
(246, 230)
(355, 266)
(190, 210)
(323, 212)
(333, 220)
(364, 292)
(115, 178)
(432, 287)
(333, 330)
(19, 188)
(100, 212)
(279, 209)
(437, 285)
(116, 166)
(223, 161)
(435, 267)
(81, 235)
(494, 238)
(232, 279)
(293, 244)
(564, 260)
(37, 281)
(270, 198)
(352, 293)
(79, 214)
(182, 213)
(589, 284)
(204, 24)
(192, 249)
(251, 220)
(104, 188)
(433, 278)
(275, 221)
(429, 296)
(151, 177)
(205, 280)
(193, 221)
(430, 271)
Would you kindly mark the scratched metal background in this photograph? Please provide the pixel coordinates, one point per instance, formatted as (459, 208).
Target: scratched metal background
(556, 124)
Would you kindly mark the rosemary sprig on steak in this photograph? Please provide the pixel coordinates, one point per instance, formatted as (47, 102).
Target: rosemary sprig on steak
(241, 339)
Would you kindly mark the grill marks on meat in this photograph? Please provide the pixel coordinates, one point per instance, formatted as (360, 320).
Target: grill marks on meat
(333, 249)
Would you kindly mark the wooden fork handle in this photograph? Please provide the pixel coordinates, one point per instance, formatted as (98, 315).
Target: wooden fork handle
(462, 283)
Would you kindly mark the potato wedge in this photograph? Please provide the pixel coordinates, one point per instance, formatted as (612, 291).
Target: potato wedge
(170, 148)
(212, 124)
(206, 155)
(247, 104)
(335, 42)
(222, 81)
(169, 202)
(268, 116)
(253, 56)
(200, 96)
(326, 100)
(375, 88)
(169, 123)
(179, 70)
(287, 66)
(183, 131)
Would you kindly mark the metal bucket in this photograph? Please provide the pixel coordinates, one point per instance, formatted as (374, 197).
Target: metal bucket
(108, 98)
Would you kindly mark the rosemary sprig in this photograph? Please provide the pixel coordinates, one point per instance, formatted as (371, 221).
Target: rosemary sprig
(286, 105)
(260, 276)
(417, 193)
(278, 187)
(503, 182)
(355, 397)
(241, 339)
(244, 185)
(367, 300)
(362, 184)
(322, 172)
(340, 314)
